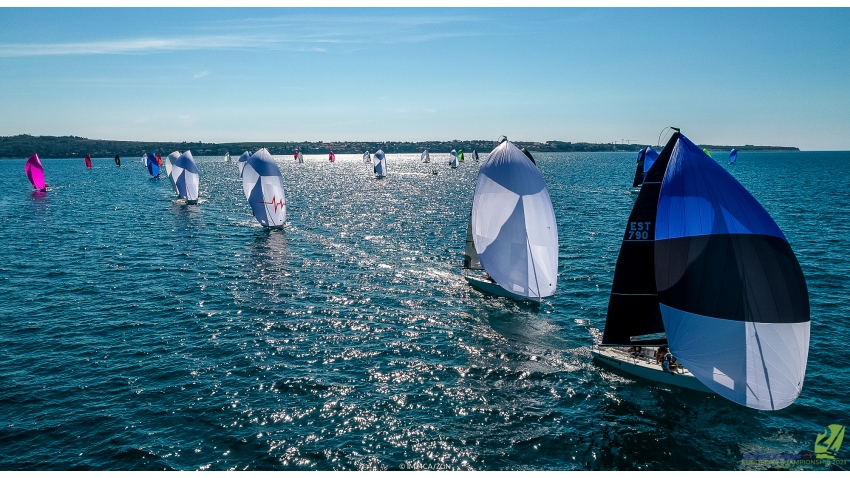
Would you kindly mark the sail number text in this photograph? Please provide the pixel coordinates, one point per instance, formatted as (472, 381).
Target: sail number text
(639, 230)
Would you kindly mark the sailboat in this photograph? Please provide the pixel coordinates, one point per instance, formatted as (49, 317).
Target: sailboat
(367, 158)
(35, 173)
(332, 157)
(704, 270)
(117, 160)
(153, 166)
(512, 235)
(243, 161)
(646, 157)
(475, 155)
(186, 177)
(453, 159)
(426, 158)
(379, 163)
(460, 155)
(88, 161)
(169, 168)
(733, 156)
(299, 157)
(227, 157)
(263, 186)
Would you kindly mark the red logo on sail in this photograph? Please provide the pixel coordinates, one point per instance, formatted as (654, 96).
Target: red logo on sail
(277, 203)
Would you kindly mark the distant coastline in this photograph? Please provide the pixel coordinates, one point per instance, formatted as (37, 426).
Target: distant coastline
(22, 146)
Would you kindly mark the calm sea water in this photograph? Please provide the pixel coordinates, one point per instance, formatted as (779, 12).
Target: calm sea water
(137, 332)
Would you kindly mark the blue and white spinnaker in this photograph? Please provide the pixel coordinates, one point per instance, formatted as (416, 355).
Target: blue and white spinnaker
(184, 173)
(263, 185)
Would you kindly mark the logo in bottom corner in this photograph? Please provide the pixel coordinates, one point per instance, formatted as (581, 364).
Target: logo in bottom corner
(828, 442)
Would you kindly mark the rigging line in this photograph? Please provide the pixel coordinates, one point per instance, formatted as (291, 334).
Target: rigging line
(531, 255)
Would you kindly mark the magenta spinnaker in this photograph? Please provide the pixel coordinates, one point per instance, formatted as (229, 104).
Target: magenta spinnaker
(35, 172)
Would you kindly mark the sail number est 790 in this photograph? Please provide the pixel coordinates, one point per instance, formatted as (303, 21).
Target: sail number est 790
(639, 230)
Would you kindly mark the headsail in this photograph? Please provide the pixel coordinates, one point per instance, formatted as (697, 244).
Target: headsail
(470, 255)
(242, 161)
(513, 224)
(35, 172)
(733, 156)
(186, 177)
(153, 166)
(732, 294)
(169, 167)
(263, 186)
(88, 161)
(634, 316)
(379, 162)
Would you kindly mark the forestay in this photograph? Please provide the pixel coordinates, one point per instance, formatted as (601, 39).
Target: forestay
(263, 186)
(186, 177)
(513, 224)
(732, 294)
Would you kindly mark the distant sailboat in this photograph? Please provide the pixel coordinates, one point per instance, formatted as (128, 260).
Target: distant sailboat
(227, 157)
(475, 155)
(512, 234)
(733, 156)
(706, 152)
(460, 155)
(88, 161)
(299, 157)
(153, 166)
(453, 159)
(379, 163)
(117, 160)
(646, 157)
(528, 155)
(426, 158)
(704, 270)
(331, 157)
(35, 173)
(186, 177)
(169, 169)
(367, 158)
(159, 160)
(243, 161)
(263, 186)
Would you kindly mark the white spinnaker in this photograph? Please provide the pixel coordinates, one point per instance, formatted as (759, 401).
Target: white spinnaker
(169, 166)
(513, 224)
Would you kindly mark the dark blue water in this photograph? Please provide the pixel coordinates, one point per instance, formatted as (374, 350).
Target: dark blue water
(141, 333)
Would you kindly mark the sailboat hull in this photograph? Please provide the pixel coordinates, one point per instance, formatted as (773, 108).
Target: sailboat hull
(496, 289)
(646, 368)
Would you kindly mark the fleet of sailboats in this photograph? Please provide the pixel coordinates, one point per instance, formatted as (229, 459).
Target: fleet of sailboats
(707, 293)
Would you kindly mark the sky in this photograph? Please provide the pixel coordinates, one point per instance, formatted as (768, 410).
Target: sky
(726, 76)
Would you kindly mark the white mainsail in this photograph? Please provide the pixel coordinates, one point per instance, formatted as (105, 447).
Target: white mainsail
(426, 158)
(513, 224)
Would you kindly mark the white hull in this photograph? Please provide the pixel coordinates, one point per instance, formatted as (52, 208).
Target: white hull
(496, 289)
(646, 368)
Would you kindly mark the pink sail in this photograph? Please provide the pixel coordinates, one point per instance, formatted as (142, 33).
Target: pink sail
(332, 157)
(35, 172)
(88, 161)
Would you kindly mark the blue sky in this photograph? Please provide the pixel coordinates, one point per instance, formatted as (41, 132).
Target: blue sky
(726, 76)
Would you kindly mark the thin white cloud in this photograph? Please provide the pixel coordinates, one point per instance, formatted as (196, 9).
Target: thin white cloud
(202, 74)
